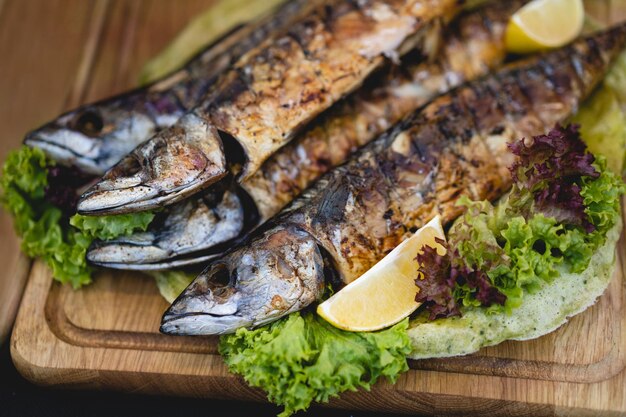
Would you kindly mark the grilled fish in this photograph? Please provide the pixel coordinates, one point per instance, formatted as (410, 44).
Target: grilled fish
(95, 136)
(473, 44)
(268, 95)
(357, 213)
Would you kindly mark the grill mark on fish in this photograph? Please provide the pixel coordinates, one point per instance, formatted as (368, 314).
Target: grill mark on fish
(353, 122)
(379, 205)
(441, 135)
(372, 110)
(282, 89)
(333, 207)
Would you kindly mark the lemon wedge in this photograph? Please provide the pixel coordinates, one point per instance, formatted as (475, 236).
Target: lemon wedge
(385, 294)
(543, 24)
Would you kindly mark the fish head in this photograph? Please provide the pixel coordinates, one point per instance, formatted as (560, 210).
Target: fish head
(193, 228)
(175, 163)
(280, 272)
(209, 305)
(96, 136)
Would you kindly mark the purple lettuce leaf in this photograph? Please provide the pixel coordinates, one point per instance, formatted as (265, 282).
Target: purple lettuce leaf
(551, 167)
(440, 275)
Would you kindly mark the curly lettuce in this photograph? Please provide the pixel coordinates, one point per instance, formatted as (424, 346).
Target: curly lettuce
(518, 253)
(45, 229)
(110, 227)
(563, 203)
(549, 172)
(302, 358)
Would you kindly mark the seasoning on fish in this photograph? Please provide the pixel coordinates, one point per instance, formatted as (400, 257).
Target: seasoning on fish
(473, 44)
(96, 136)
(265, 99)
(358, 212)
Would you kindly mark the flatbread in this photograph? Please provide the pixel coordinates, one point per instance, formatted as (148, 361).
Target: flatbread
(540, 313)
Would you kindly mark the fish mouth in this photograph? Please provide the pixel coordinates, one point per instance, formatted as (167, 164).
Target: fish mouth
(181, 262)
(190, 232)
(52, 146)
(185, 318)
(209, 305)
(199, 324)
(279, 272)
(148, 258)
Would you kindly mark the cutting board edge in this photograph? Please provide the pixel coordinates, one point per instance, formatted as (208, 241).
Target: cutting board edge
(46, 370)
(596, 370)
(231, 387)
(45, 359)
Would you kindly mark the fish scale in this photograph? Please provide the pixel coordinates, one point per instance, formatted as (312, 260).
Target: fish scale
(337, 134)
(357, 211)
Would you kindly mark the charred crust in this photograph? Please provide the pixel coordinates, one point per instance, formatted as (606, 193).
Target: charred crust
(333, 203)
(235, 83)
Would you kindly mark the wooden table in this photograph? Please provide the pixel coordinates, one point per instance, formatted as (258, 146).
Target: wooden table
(57, 55)
(60, 53)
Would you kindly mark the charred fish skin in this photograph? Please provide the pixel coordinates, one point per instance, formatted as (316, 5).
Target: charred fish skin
(267, 96)
(188, 154)
(361, 210)
(448, 149)
(472, 46)
(96, 136)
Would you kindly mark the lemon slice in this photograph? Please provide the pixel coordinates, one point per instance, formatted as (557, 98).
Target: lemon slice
(543, 24)
(385, 294)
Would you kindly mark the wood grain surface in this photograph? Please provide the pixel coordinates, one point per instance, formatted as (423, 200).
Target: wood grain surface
(59, 54)
(39, 68)
(65, 52)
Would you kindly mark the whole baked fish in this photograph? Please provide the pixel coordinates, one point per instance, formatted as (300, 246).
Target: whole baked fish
(95, 136)
(202, 226)
(355, 215)
(264, 99)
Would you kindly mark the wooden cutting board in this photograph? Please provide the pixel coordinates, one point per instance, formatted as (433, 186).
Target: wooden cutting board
(57, 54)
(105, 336)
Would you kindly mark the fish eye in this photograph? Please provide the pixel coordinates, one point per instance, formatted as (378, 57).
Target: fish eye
(221, 277)
(89, 123)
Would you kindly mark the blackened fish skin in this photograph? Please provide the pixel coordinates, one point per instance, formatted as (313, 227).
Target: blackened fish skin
(265, 99)
(472, 45)
(203, 226)
(357, 213)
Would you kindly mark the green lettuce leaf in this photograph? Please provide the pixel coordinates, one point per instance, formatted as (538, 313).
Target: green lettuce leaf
(615, 80)
(602, 126)
(171, 283)
(602, 199)
(45, 231)
(302, 358)
(297, 359)
(602, 118)
(520, 249)
(110, 227)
